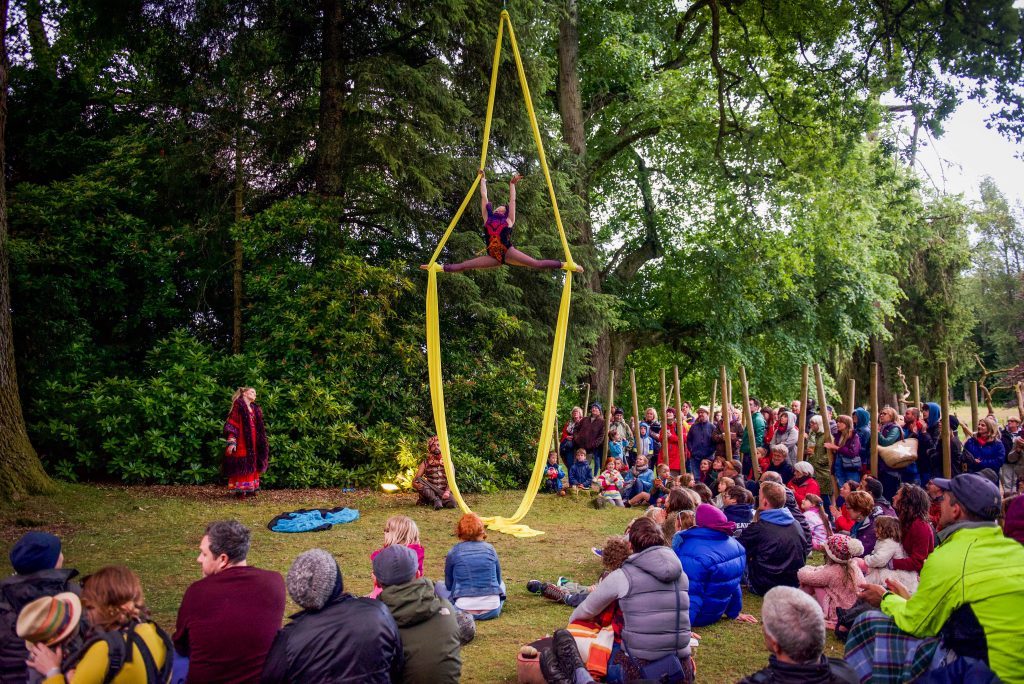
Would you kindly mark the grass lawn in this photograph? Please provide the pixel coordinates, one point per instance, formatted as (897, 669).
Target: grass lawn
(156, 531)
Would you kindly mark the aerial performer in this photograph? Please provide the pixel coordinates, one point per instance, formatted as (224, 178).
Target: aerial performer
(498, 223)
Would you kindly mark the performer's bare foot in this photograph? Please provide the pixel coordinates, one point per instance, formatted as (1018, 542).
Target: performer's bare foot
(578, 269)
(424, 267)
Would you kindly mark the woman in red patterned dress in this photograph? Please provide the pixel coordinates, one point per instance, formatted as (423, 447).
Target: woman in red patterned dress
(247, 454)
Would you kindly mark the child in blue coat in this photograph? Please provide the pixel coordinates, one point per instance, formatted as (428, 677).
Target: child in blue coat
(580, 474)
(554, 476)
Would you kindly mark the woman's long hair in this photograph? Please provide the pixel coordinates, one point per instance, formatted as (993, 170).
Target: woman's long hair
(238, 394)
(913, 505)
(113, 597)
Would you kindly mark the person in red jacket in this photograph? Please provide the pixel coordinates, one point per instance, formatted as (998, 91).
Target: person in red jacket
(911, 504)
(843, 520)
(803, 483)
(670, 447)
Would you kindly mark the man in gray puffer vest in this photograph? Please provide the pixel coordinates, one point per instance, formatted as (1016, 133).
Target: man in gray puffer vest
(652, 592)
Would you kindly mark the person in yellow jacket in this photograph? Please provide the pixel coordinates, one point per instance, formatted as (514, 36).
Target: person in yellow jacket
(966, 613)
(113, 604)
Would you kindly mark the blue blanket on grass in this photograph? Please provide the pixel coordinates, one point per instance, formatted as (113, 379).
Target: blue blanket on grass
(313, 520)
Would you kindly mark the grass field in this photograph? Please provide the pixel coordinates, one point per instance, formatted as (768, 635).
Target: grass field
(156, 531)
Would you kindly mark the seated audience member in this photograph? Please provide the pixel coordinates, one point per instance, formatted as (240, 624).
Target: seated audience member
(580, 475)
(643, 482)
(426, 623)
(780, 463)
(739, 508)
(1013, 526)
(39, 571)
(803, 482)
(722, 485)
(911, 504)
(703, 491)
(862, 509)
(836, 583)
(814, 513)
(112, 602)
(337, 637)
(714, 563)
(431, 481)
(615, 552)
(734, 469)
(661, 486)
(844, 522)
(554, 475)
(774, 542)
(878, 565)
(967, 606)
(875, 489)
(798, 515)
(610, 483)
(794, 634)
(228, 620)
(472, 573)
(651, 589)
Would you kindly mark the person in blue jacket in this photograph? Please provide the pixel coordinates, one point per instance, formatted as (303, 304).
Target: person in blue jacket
(641, 484)
(580, 474)
(862, 426)
(984, 448)
(554, 475)
(714, 562)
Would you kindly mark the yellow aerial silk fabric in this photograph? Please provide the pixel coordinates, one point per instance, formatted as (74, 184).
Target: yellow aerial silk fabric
(501, 524)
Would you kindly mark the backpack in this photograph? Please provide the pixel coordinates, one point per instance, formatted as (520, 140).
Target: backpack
(119, 652)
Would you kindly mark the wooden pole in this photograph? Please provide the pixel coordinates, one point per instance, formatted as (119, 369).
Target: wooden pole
(679, 421)
(714, 398)
(749, 418)
(801, 421)
(586, 401)
(917, 391)
(636, 405)
(974, 403)
(664, 408)
(947, 467)
(823, 400)
(725, 415)
(608, 413)
(1020, 400)
(873, 417)
(851, 396)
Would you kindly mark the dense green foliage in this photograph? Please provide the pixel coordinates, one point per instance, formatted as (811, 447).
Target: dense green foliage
(728, 176)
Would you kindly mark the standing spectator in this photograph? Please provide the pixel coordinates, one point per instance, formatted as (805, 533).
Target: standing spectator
(1012, 472)
(590, 435)
(984, 448)
(654, 430)
(1009, 433)
(625, 433)
(651, 589)
(565, 446)
(39, 571)
(889, 432)
(794, 634)
(967, 606)
(929, 452)
(774, 542)
(228, 620)
(770, 416)
(786, 435)
(247, 454)
(862, 425)
(336, 637)
(699, 443)
(847, 451)
(672, 446)
(472, 573)
(426, 623)
(746, 450)
(735, 430)
(818, 456)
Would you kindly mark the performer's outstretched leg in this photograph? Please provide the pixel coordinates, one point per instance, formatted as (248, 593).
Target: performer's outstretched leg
(476, 264)
(518, 257)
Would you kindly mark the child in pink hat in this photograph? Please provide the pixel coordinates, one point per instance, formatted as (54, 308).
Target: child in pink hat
(834, 584)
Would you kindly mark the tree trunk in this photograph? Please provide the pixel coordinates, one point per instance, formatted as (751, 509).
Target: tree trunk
(21, 472)
(39, 43)
(330, 141)
(236, 304)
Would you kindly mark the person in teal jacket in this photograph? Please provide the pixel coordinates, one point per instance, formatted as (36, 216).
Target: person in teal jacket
(969, 601)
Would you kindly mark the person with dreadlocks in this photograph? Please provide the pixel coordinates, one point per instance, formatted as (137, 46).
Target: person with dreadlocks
(431, 482)
(247, 454)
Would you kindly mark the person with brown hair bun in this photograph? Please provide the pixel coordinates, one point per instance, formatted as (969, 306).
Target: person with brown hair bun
(247, 454)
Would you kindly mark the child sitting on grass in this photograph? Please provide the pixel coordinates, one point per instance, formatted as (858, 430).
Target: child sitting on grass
(400, 529)
(554, 476)
(837, 583)
(609, 483)
(580, 475)
(615, 552)
(639, 491)
(661, 486)
(814, 513)
(739, 507)
(887, 549)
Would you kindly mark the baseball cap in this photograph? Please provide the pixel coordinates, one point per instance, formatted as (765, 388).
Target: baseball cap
(976, 493)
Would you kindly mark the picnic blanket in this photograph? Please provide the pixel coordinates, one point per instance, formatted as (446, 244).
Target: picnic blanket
(312, 519)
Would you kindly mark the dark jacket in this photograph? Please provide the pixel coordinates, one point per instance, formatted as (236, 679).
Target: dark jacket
(785, 471)
(979, 456)
(714, 563)
(16, 592)
(862, 426)
(699, 440)
(775, 550)
(824, 671)
(429, 631)
(580, 474)
(742, 514)
(348, 640)
(589, 434)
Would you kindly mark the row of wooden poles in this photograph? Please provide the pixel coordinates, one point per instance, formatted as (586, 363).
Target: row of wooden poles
(724, 381)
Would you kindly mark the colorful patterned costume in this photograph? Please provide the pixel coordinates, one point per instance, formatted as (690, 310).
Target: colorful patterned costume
(497, 234)
(251, 456)
(432, 483)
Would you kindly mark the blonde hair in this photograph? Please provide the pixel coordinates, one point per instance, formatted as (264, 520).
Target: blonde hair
(239, 392)
(890, 411)
(401, 530)
(993, 427)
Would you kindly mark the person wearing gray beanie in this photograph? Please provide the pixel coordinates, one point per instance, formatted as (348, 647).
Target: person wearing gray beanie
(337, 636)
(314, 579)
